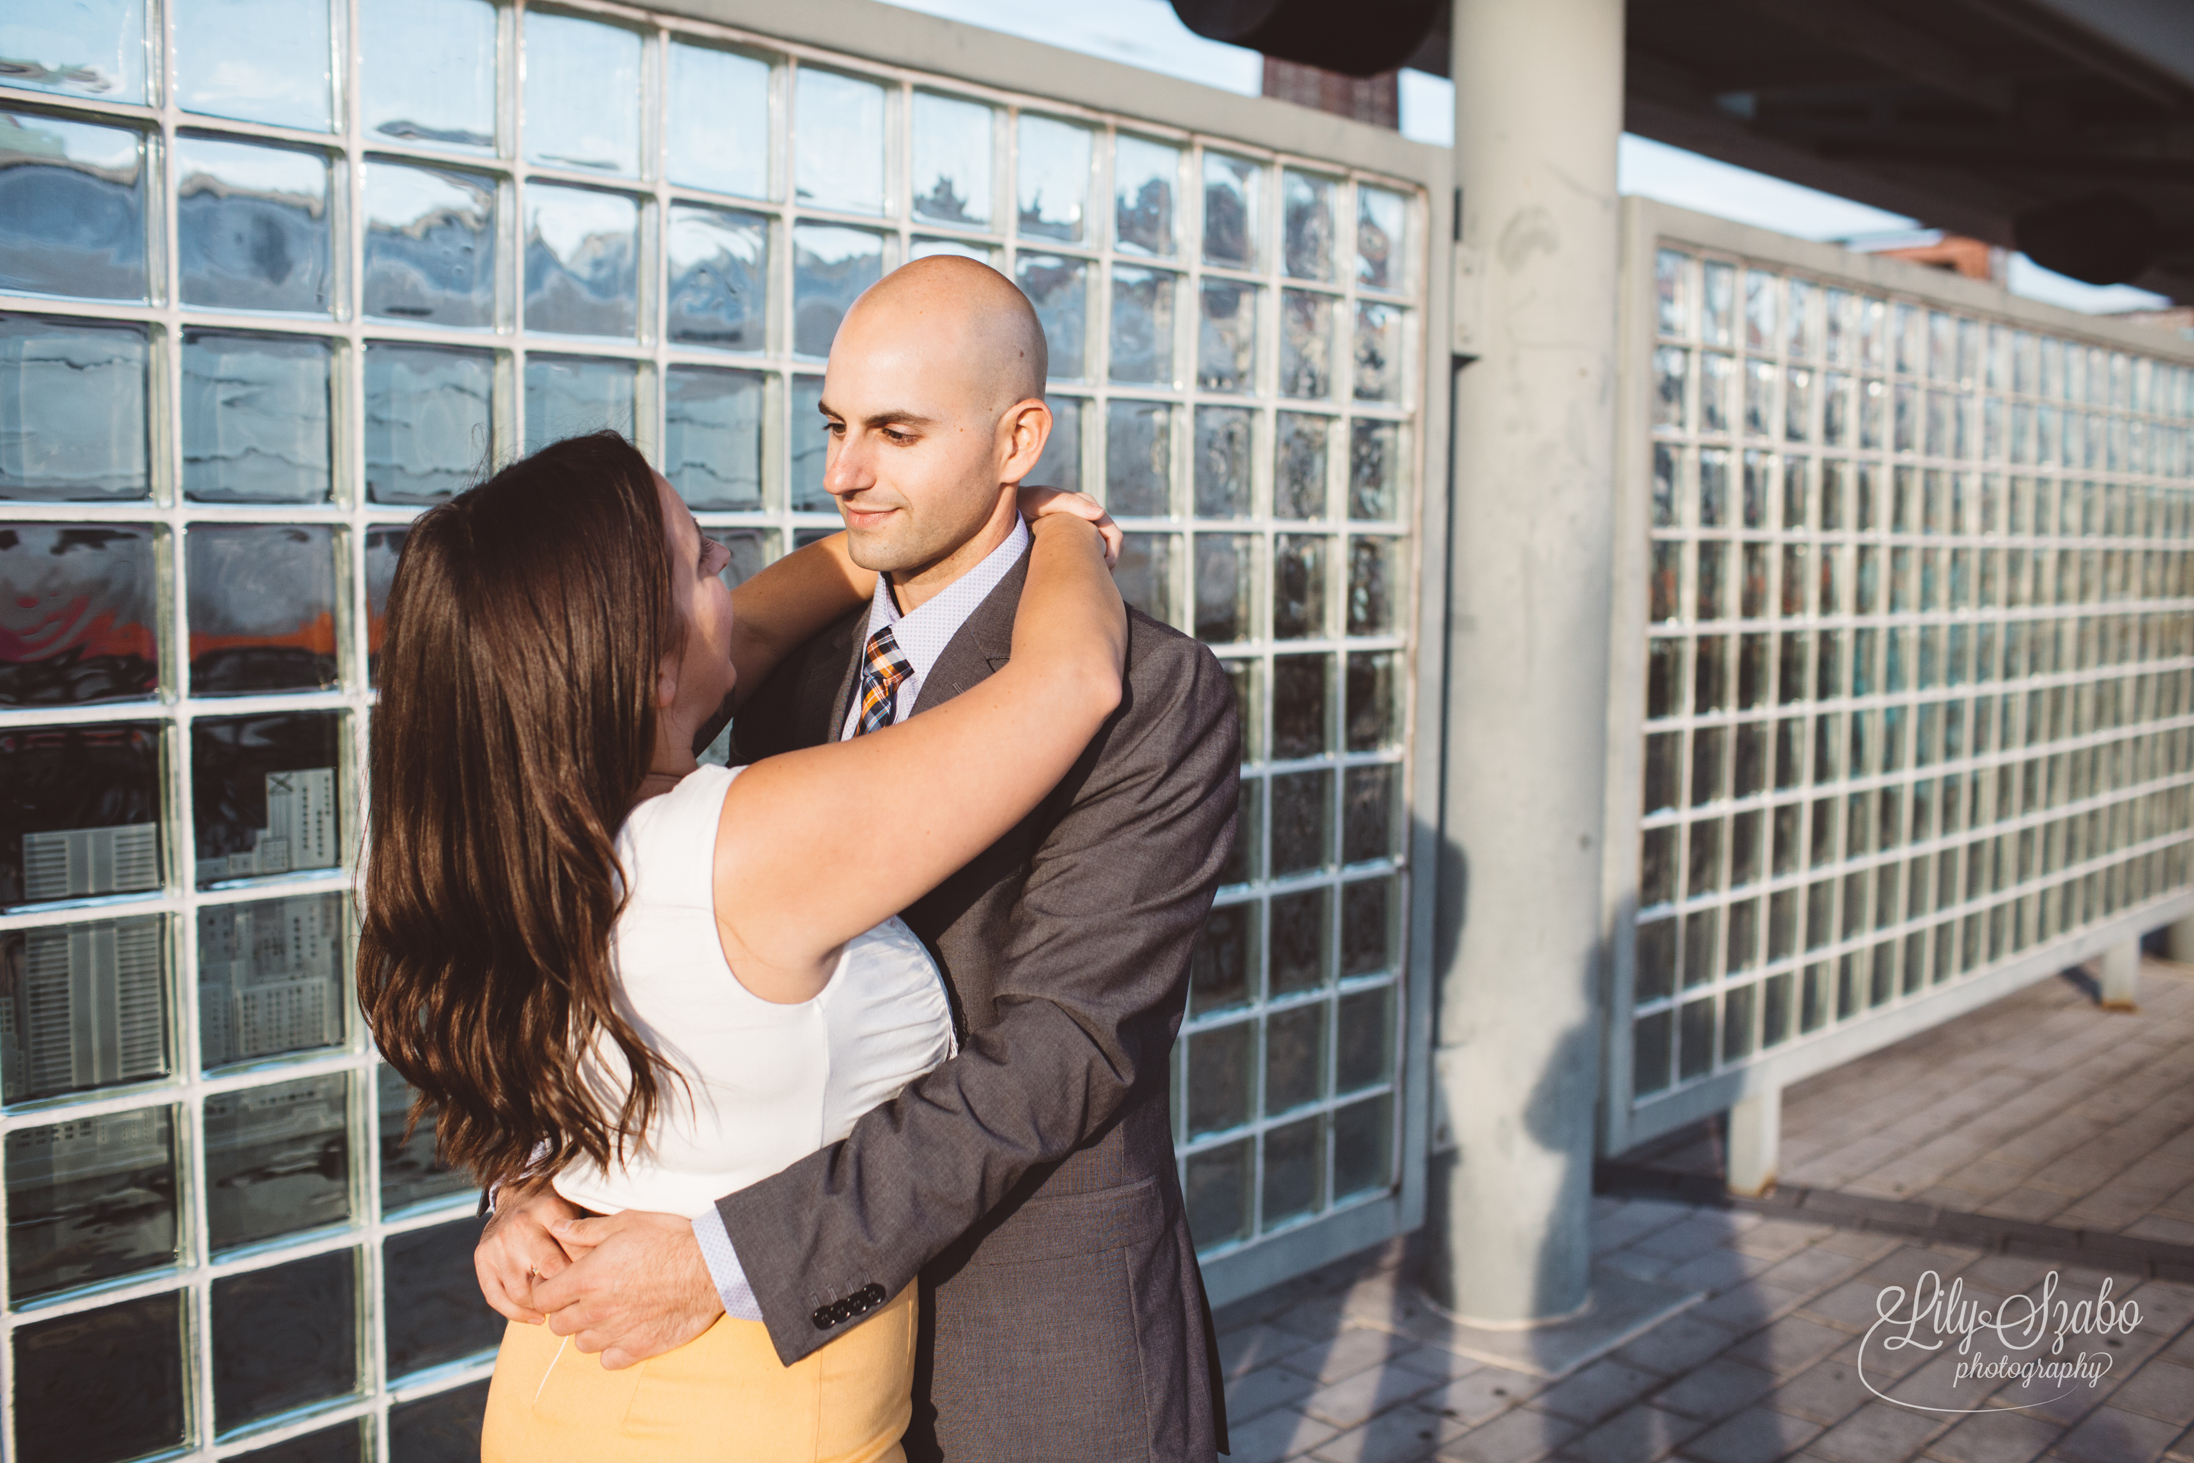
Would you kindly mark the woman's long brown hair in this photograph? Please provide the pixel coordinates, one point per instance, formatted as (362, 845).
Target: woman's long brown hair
(516, 722)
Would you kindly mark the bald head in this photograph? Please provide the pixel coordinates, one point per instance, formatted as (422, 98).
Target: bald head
(965, 317)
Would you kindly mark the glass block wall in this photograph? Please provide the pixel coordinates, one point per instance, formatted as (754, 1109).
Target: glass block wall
(1918, 642)
(270, 284)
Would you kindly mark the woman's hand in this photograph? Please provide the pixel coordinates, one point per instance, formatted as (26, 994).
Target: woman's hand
(1042, 502)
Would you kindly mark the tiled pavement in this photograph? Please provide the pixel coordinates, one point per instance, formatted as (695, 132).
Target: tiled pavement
(1351, 1366)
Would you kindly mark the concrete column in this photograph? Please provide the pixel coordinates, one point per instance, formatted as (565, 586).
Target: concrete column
(1755, 1142)
(2121, 976)
(2179, 940)
(1538, 111)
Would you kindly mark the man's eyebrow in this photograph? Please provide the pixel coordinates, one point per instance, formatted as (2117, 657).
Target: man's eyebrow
(898, 418)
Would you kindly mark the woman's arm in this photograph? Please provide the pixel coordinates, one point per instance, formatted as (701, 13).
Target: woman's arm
(818, 845)
(789, 601)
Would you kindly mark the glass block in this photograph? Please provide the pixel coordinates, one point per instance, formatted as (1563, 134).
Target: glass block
(1306, 226)
(830, 268)
(718, 127)
(1368, 801)
(1375, 470)
(1364, 1044)
(89, 1198)
(95, 48)
(263, 793)
(1374, 585)
(1367, 927)
(255, 418)
(1718, 302)
(929, 246)
(72, 209)
(1299, 466)
(410, 1173)
(258, 60)
(809, 448)
(384, 546)
(270, 977)
(1060, 466)
(252, 226)
(1302, 822)
(1299, 586)
(712, 436)
(101, 1386)
(342, 1443)
(427, 71)
(434, 1313)
(1220, 1077)
(72, 410)
(1233, 210)
(1382, 232)
(567, 57)
(751, 551)
(952, 147)
(1246, 679)
(1295, 1057)
(1059, 289)
(1142, 326)
(1217, 1194)
(1302, 688)
(1299, 955)
(80, 817)
(1295, 1170)
(1146, 176)
(1226, 337)
(261, 602)
(430, 245)
(283, 1337)
(719, 278)
(76, 613)
(582, 261)
(1145, 574)
(1223, 963)
(569, 396)
(277, 1160)
(428, 429)
(1363, 1147)
(1138, 459)
(1671, 388)
(1373, 720)
(1306, 344)
(1225, 582)
(1224, 437)
(1378, 353)
(1052, 179)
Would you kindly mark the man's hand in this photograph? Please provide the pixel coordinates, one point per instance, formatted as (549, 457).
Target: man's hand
(516, 1248)
(636, 1287)
(1038, 503)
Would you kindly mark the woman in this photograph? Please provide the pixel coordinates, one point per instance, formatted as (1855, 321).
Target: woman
(660, 981)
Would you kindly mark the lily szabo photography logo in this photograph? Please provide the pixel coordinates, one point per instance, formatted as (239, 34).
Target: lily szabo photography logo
(2026, 1352)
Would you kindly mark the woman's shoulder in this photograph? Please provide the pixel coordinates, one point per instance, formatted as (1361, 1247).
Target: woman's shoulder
(684, 819)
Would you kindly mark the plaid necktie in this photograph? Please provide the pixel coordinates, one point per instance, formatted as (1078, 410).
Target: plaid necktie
(882, 669)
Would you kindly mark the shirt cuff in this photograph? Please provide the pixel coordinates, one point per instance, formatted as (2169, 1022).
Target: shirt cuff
(724, 1268)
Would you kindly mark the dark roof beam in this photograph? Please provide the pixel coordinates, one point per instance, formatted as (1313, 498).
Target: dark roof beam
(1891, 45)
(2079, 48)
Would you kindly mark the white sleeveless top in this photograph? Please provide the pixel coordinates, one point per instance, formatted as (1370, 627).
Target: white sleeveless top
(769, 1083)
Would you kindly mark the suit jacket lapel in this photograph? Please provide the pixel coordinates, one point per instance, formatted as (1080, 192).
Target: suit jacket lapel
(983, 644)
(840, 704)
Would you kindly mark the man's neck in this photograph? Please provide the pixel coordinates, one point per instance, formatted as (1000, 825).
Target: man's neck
(914, 588)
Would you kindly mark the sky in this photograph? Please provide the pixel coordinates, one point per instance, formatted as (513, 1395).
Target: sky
(1148, 34)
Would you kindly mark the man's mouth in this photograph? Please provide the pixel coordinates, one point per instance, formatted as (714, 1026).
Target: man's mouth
(864, 517)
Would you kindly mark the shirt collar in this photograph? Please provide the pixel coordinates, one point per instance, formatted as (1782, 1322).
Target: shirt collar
(923, 633)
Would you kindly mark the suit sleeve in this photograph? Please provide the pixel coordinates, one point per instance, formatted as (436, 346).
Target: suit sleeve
(1094, 975)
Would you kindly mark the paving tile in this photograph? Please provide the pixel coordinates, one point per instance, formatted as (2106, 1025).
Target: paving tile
(1755, 1435)
(1600, 1389)
(1853, 1304)
(2113, 1435)
(1778, 1239)
(1282, 1433)
(1485, 1392)
(1687, 1239)
(1859, 1244)
(1813, 1268)
(1716, 1271)
(1678, 1343)
(1994, 1437)
(1788, 1345)
(1746, 1308)
(1256, 1393)
(1522, 1436)
(1877, 1433)
(1437, 1362)
(1826, 1393)
(1345, 1355)
(1356, 1400)
(1716, 1390)
(1401, 1436)
(1634, 1435)
(1639, 1265)
(1251, 1347)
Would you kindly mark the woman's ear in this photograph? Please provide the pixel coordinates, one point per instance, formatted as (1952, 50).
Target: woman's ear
(666, 682)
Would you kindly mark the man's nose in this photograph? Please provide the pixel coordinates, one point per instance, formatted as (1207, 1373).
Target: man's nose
(846, 466)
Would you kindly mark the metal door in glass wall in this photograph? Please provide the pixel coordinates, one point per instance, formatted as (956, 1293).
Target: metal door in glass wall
(267, 290)
(1910, 644)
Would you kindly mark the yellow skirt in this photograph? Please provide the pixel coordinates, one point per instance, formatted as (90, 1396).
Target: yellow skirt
(723, 1395)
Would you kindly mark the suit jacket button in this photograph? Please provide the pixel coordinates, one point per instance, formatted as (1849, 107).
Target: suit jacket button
(875, 1294)
(821, 1318)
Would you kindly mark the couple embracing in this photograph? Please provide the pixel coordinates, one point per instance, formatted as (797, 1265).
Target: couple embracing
(823, 1097)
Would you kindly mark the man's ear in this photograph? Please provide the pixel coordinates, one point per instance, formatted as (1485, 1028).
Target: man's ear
(1022, 432)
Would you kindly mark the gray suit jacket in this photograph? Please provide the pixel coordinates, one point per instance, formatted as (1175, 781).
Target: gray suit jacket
(1030, 1182)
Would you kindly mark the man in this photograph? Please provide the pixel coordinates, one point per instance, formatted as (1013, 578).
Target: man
(1029, 1182)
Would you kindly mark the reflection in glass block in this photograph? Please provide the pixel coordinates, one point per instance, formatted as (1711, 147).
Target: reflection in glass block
(1367, 927)
(1364, 1048)
(76, 613)
(384, 545)
(1249, 706)
(1138, 459)
(1363, 1147)
(751, 549)
(259, 60)
(952, 159)
(1375, 470)
(1051, 189)
(1061, 464)
(1059, 289)
(718, 127)
(103, 1385)
(261, 600)
(1299, 471)
(1226, 337)
(270, 977)
(1301, 685)
(84, 1005)
(1382, 223)
(1142, 326)
(582, 260)
(277, 1160)
(430, 245)
(428, 409)
(1245, 854)
(1223, 445)
(569, 396)
(1299, 955)
(443, 1427)
(830, 268)
(1306, 226)
(1378, 353)
(1220, 967)
(1225, 571)
(1217, 1194)
(810, 447)
(255, 418)
(263, 795)
(1373, 720)
(410, 1172)
(1233, 208)
(95, 48)
(719, 278)
(90, 1198)
(72, 208)
(924, 246)
(1298, 586)
(1368, 800)
(1295, 1057)
(252, 226)
(838, 146)
(1295, 1170)
(1302, 822)
(433, 1306)
(1306, 344)
(79, 813)
(1145, 177)
(1220, 1077)
(567, 58)
(72, 409)
(712, 436)
(427, 71)
(1374, 585)
(342, 1443)
(284, 1336)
